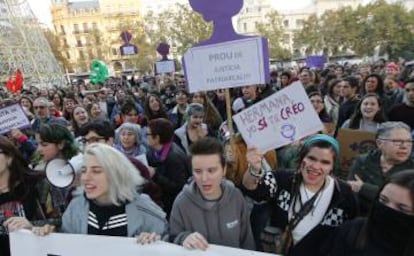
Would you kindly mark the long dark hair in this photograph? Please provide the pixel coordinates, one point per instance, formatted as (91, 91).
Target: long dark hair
(331, 85)
(357, 115)
(403, 179)
(149, 114)
(18, 167)
(380, 85)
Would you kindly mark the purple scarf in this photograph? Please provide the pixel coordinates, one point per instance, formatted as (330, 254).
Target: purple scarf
(163, 153)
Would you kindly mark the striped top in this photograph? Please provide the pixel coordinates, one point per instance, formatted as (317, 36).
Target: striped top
(107, 220)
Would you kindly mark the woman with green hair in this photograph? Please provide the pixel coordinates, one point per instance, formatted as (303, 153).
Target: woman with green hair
(54, 142)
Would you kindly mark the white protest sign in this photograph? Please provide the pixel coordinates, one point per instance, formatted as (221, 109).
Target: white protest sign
(278, 120)
(165, 66)
(12, 117)
(225, 65)
(23, 243)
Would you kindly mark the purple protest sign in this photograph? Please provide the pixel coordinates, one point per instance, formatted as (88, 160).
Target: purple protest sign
(127, 48)
(163, 49)
(213, 53)
(315, 61)
(11, 117)
(220, 13)
(164, 65)
(126, 36)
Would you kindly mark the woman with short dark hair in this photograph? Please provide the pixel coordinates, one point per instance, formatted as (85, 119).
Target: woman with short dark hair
(309, 203)
(170, 163)
(226, 219)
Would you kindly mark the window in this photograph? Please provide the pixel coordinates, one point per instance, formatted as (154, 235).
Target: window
(299, 23)
(81, 55)
(79, 43)
(286, 23)
(65, 42)
(245, 27)
(85, 27)
(68, 55)
(114, 51)
(94, 26)
(75, 28)
(259, 9)
(62, 30)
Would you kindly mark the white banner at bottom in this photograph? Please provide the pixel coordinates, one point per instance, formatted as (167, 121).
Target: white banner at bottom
(23, 243)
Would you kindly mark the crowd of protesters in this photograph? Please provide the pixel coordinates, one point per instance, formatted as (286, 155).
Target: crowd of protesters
(161, 163)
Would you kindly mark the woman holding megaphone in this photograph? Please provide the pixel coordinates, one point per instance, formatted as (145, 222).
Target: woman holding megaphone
(54, 142)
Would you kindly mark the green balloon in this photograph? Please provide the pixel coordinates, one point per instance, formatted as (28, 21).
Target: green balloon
(99, 72)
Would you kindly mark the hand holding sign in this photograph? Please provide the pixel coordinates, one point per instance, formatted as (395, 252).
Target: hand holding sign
(44, 230)
(195, 241)
(16, 134)
(278, 120)
(254, 158)
(147, 238)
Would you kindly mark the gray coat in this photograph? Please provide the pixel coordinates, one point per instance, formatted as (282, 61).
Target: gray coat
(226, 222)
(181, 134)
(143, 215)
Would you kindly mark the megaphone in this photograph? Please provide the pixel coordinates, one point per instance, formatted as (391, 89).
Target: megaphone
(61, 173)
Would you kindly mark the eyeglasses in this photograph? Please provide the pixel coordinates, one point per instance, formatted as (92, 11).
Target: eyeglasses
(148, 134)
(39, 107)
(92, 140)
(317, 101)
(398, 142)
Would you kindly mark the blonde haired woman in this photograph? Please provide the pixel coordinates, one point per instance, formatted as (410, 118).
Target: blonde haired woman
(110, 203)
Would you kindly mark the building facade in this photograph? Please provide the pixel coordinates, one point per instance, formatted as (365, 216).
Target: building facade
(409, 4)
(91, 30)
(159, 6)
(254, 11)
